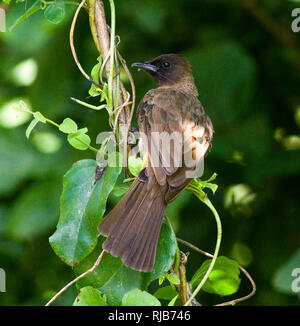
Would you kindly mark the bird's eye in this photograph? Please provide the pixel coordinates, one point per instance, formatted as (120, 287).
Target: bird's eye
(166, 64)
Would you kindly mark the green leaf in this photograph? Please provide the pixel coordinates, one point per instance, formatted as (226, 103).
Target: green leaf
(104, 93)
(207, 183)
(197, 185)
(82, 205)
(88, 296)
(31, 126)
(165, 293)
(213, 177)
(286, 279)
(55, 13)
(161, 280)
(172, 302)
(79, 139)
(173, 278)
(68, 126)
(96, 69)
(137, 297)
(34, 8)
(135, 165)
(212, 186)
(22, 107)
(223, 279)
(40, 117)
(121, 189)
(94, 91)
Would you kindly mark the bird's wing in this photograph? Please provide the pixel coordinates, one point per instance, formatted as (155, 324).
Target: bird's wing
(174, 123)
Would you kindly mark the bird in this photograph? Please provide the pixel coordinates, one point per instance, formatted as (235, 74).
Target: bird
(132, 227)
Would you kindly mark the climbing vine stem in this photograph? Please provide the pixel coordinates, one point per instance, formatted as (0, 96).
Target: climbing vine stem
(204, 198)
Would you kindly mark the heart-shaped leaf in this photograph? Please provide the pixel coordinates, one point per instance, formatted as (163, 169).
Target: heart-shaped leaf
(88, 296)
(135, 165)
(68, 126)
(79, 140)
(223, 279)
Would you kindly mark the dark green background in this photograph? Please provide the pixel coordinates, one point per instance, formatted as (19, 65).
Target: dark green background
(248, 78)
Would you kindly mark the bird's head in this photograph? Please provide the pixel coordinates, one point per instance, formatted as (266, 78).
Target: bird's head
(169, 70)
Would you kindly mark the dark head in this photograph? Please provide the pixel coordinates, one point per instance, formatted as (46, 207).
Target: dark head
(170, 70)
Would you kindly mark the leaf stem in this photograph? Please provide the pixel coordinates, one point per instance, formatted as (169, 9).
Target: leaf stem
(90, 106)
(78, 139)
(52, 122)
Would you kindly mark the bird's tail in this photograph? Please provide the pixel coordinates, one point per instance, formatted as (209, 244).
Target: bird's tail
(132, 227)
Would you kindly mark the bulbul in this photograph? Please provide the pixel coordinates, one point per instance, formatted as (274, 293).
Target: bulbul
(132, 227)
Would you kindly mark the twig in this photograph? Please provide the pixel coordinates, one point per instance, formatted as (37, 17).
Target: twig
(231, 302)
(89, 78)
(77, 278)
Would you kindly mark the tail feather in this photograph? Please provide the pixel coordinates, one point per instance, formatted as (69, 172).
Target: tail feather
(149, 260)
(146, 241)
(132, 227)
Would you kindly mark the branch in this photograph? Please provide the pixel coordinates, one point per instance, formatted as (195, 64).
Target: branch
(77, 278)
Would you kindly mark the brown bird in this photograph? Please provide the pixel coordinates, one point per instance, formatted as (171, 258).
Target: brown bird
(133, 226)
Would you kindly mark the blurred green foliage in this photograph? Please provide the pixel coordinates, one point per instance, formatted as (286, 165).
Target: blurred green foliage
(245, 60)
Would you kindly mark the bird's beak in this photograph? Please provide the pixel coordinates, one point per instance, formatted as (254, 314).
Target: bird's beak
(145, 65)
